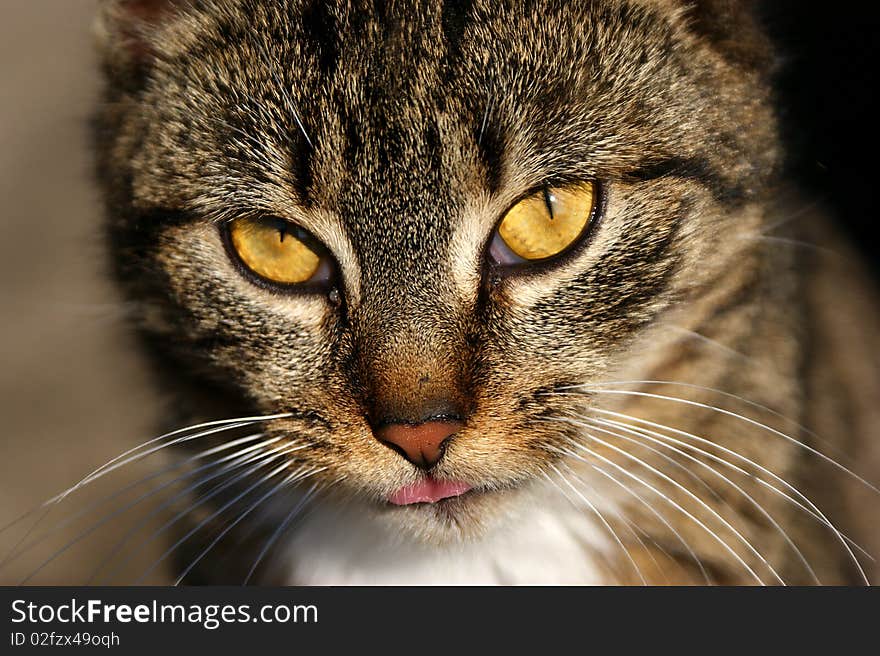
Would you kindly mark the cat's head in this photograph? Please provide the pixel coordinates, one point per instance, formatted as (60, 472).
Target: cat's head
(408, 224)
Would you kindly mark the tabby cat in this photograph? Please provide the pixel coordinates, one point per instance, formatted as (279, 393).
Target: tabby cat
(486, 292)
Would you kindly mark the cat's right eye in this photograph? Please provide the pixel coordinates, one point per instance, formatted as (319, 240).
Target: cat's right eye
(545, 224)
(278, 251)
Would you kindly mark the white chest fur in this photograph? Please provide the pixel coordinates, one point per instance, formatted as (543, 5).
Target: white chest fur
(545, 544)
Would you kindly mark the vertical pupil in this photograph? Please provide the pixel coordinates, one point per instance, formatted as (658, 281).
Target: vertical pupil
(548, 201)
(282, 233)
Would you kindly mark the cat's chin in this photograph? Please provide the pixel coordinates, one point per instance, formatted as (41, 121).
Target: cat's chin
(466, 517)
(477, 538)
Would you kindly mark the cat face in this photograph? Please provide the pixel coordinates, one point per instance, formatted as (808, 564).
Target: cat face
(393, 141)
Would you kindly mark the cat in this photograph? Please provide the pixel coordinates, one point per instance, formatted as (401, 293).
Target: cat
(486, 292)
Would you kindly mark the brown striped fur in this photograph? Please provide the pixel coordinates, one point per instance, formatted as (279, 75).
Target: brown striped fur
(422, 121)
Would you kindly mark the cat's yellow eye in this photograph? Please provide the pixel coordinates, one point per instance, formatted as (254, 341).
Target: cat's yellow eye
(546, 223)
(276, 250)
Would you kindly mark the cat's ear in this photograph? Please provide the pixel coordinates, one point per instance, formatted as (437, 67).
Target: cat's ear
(127, 32)
(734, 27)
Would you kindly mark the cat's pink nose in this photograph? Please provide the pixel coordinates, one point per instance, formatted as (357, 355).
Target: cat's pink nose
(421, 444)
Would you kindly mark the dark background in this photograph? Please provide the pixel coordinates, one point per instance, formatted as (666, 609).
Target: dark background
(826, 86)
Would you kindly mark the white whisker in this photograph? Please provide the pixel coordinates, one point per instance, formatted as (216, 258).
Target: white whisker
(634, 529)
(601, 518)
(811, 507)
(221, 424)
(486, 113)
(707, 340)
(598, 425)
(100, 502)
(256, 461)
(279, 531)
(229, 467)
(296, 476)
(126, 457)
(226, 505)
(653, 489)
(692, 496)
(748, 420)
(729, 395)
(787, 241)
(236, 460)
(660, 517)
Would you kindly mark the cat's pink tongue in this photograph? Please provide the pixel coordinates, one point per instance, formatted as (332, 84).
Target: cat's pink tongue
(428, 490)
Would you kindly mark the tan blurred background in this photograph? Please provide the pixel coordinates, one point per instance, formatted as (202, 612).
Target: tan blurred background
(71, 390)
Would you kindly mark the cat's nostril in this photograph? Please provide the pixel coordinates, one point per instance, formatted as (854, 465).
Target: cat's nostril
(422, 444)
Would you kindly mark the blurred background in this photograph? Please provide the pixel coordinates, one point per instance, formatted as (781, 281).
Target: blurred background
(73, 392)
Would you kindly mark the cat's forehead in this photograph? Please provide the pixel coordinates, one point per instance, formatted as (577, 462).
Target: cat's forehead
(394, 75)
(411, 110)
(393, 116)
(375, 103)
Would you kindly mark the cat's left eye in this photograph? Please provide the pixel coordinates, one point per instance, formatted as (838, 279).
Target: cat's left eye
(544, 225)
(278, 251)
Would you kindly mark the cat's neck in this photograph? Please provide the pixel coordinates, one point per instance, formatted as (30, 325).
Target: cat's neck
(550, 543)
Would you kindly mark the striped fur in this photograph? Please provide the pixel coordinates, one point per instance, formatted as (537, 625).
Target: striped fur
(398, 133)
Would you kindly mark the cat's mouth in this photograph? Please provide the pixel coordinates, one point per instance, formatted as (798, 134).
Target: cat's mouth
(428, 490)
